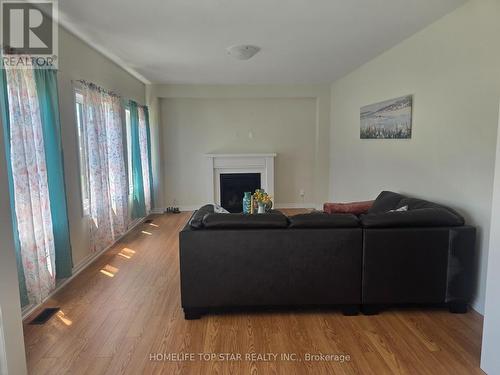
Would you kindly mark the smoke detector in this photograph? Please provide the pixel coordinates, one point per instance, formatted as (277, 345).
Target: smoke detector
(243, 52)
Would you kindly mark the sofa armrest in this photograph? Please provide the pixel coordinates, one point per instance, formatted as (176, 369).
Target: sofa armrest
(424, 217)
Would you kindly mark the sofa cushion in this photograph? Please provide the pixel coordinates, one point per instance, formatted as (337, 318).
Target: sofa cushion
(196, 221)
(355, 208)
(422, 217)
(323, 220)
(386, 201)
(243, 221)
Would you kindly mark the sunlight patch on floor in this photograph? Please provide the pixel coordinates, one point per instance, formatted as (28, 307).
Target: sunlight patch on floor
(62, 317)
(109, 271)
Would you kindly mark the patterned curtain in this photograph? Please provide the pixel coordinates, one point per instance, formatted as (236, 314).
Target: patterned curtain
(107, 178)
(30, 186)
(144, 147)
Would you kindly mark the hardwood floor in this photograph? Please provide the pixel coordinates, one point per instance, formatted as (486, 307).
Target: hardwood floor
(126, 306)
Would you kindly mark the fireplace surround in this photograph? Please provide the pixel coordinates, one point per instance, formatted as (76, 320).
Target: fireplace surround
(220, 164)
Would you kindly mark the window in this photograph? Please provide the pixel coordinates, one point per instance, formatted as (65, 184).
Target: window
(103, 172)
(82, 148)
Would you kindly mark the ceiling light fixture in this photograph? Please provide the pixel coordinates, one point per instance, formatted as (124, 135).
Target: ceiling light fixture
(242, 52)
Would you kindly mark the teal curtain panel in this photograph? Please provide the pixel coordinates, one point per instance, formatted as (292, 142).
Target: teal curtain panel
(138, 201)
(48, 97)
(146, 114)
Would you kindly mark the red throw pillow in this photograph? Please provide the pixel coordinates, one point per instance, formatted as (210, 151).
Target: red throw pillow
(355, 208)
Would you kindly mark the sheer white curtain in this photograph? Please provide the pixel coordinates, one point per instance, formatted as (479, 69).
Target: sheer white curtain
(143, 143)
(107, 178)
(31, 192)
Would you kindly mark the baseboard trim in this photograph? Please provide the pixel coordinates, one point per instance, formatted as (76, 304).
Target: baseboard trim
(190, 207)
(78, 269)
(477, 309)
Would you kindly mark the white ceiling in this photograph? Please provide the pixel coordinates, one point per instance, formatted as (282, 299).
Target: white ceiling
(302, 41)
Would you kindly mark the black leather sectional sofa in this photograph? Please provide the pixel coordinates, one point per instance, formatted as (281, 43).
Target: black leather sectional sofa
(423, 255)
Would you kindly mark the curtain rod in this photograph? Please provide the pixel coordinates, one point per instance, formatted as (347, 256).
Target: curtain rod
(103, 90)
(97, 88)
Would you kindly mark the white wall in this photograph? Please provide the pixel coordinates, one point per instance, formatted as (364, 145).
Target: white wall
(10, 305)
(78, 61)
(292, 121)
(452, 68)
(490, 361)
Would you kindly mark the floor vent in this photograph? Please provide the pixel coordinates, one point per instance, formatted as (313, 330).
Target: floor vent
(45, 315)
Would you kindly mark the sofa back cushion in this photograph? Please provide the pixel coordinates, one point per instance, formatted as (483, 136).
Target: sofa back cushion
(323, 220)
(386, 201)
(421, 217)
(243, 221)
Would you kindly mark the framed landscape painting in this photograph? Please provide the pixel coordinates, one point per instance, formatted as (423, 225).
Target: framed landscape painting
(390, 119)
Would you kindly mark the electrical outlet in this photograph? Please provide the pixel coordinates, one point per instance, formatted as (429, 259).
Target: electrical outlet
(302, 193)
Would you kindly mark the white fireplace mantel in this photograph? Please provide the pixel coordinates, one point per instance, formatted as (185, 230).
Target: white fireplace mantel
(218, 164)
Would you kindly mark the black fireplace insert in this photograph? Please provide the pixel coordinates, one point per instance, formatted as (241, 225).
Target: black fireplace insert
(233, 186)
